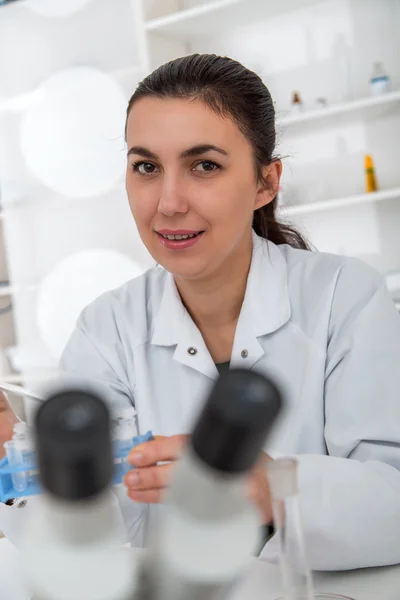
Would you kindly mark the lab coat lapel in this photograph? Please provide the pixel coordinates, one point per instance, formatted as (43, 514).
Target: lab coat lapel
(175, 327)
(266, 306)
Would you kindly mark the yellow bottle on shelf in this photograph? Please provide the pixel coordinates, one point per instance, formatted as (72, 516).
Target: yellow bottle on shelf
(370, 178)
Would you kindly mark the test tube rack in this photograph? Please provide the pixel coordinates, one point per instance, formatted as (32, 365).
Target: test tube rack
(7, 489)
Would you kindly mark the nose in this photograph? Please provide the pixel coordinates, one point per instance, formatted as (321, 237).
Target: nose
(173, 199)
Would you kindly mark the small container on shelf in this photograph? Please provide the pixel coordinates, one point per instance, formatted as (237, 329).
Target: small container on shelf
(371, 184)
(297, 104)
(380, 81)
(321, 103)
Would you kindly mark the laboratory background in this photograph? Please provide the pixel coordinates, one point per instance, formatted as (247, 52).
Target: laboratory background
(67, 71)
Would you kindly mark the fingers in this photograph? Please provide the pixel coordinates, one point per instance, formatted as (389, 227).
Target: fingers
(158, 450)
(258, 490)
(156, 477)
(147, 497)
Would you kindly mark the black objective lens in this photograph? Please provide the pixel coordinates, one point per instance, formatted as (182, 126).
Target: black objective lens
(73, 444)
(236, 420)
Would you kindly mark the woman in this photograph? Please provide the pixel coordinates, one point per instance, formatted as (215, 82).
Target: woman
(239, 288)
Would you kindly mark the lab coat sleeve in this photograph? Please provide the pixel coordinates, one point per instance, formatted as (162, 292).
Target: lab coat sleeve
(350, 499)
(95, 357)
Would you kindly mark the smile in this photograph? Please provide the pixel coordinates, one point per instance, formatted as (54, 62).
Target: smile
(179, 236)
(180, 240)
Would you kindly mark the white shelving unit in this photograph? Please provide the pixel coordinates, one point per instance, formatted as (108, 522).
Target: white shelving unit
(213, 17)
(12, 290)
(364, 109)
(337, 203)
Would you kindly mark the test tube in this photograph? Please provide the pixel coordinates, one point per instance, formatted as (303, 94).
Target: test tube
(23, 436)
(15, 458)
(296, 574)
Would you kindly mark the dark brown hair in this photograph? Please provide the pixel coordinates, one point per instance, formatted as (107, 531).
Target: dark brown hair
(228, 88)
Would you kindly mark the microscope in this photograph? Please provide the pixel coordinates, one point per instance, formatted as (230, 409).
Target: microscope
(209, 530)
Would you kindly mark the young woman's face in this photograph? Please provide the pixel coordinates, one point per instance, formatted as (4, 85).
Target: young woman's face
(191, 185)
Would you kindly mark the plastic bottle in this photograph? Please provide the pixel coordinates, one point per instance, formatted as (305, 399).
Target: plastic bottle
(209, 529)
(23, 436)
(370, 177)
(380, 80)
(73, 544)
(123, 431)
(20, 453)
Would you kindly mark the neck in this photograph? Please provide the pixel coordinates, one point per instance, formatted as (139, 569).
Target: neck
(217, 301)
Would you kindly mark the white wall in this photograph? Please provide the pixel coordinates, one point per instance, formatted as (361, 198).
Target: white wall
(41, 226)
(6, 320)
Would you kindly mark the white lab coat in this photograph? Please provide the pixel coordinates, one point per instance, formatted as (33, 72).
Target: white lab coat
(325, 327)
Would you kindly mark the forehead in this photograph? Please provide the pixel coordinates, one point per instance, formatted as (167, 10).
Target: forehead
(166, 122)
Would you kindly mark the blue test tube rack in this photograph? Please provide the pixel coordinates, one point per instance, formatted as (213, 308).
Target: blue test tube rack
(121, 467)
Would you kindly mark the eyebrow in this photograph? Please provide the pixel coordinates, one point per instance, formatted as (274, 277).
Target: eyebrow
(190, 152)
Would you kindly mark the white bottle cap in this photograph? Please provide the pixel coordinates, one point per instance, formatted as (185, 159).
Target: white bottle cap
(20, 428)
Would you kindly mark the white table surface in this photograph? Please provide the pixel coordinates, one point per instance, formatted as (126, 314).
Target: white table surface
(262, 582)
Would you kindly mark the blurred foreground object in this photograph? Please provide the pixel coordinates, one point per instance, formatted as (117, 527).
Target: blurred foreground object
(297, 580)
(73, 544)
(296, 575)
(209, 530)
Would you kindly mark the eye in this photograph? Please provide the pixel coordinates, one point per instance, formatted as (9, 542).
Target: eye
(206, 166)
(144, 168)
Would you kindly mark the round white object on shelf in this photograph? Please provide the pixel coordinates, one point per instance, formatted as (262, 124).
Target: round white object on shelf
(73, 284)
(72, 138)
(56, 8)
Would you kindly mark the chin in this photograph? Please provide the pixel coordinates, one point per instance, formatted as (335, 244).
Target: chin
(191, 270)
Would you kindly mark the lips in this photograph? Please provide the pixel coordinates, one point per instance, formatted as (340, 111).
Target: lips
(179, 239)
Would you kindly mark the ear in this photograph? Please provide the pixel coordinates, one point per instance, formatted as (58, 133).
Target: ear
(269, 187)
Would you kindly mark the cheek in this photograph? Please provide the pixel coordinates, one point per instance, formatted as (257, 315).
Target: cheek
(143, 202)
(232, 199)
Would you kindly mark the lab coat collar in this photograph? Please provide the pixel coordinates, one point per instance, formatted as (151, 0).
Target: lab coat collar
(266, 308)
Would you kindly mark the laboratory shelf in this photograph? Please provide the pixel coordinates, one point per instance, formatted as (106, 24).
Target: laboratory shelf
(12, 290)
(219, 15)
(363, 109)
(326, 205)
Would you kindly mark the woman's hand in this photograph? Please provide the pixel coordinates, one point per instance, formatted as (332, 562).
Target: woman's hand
(148, 481)
(258, 490)
(7, 422)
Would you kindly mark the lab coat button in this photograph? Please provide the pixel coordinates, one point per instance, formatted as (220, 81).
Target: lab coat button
(244, 353)
(192, 351)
